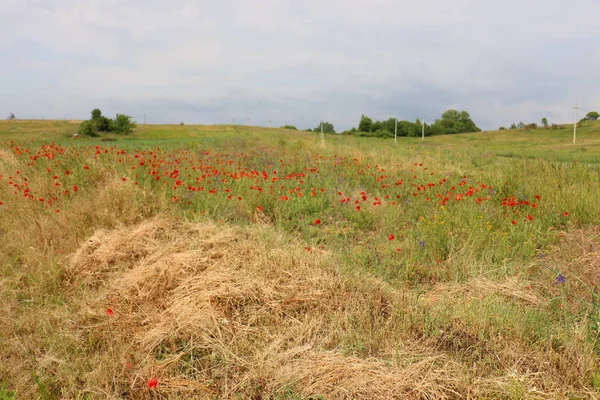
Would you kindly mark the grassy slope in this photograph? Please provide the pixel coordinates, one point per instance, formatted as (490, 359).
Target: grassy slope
(553, 145)
(474, 311)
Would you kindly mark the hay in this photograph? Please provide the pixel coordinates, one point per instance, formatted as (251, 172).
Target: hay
(243, 313)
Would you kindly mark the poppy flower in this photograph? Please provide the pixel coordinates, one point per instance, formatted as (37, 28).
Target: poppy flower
(259, 208)
(530, 217)
(109, 311)
(152, 383)
(317, 222)
(566, 214)
(390, 237)
(514, 222)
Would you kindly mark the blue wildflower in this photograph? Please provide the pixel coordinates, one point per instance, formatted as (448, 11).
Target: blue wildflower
(559, 279)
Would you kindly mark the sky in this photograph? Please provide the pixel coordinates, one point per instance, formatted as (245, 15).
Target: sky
(300, 61)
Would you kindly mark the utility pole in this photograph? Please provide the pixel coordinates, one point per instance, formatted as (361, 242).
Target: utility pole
(396, 132)
(575, 124)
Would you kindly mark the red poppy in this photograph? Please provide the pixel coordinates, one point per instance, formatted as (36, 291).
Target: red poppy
(514, 222)
(566, 214)
(259, 208)
(390, 237)
(152, 383)
(109, 311)
(317, 222)
(530, 217)
(357, 208)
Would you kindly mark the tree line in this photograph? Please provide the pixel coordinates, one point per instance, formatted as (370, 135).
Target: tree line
(451, 122)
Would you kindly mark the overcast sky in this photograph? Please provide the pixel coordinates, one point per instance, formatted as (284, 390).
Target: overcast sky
(300, 61)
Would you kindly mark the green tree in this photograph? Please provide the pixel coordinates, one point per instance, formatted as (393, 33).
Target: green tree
(513, 126)
(545, 122)
(376, 126)
(454, 121)
(592, 115)
(122, 124)
(327, 128)
(89, 128)
(291, 127)
(365, 124)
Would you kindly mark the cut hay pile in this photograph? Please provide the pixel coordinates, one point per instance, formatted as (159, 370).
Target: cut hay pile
(240, 313)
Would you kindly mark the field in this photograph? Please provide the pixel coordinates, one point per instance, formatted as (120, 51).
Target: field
(242, 262)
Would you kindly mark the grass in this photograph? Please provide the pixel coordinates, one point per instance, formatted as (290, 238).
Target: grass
(244, 262)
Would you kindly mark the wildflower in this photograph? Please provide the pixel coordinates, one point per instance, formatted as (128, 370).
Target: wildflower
(152, 383)
(559, 279)
(514, 222)
(357, 208)
(317, 222)
(109, 311)
(566, 214)
(530, 217)
(421, 243)
(259, 208)
(390, 237)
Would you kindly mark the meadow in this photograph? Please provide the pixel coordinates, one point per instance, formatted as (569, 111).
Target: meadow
(245, 262)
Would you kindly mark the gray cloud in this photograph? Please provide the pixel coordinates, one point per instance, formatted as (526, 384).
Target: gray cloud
(299, 62)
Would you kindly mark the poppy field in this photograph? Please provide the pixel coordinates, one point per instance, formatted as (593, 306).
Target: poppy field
(265, 264)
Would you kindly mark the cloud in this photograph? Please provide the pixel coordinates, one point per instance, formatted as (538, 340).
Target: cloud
(299, 62)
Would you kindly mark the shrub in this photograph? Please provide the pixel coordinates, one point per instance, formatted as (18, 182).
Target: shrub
(89, 128)
(291, 127)
(122, 124)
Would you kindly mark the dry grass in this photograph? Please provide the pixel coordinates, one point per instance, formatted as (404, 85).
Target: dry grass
(230, 312)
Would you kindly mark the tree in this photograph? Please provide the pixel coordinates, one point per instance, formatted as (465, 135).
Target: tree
(592, 115)
(291, 127)
(454, 121)
(327, 127)
(11, 116)
(365, 124)
(545, 122)
(377, 126)
(122, 124)
(513, 126)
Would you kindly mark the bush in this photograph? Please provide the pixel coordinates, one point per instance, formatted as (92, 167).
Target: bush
(383, 133)
(533, 125)
(291, 127)
(89, 128)
(122, 124)
(502, 128)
